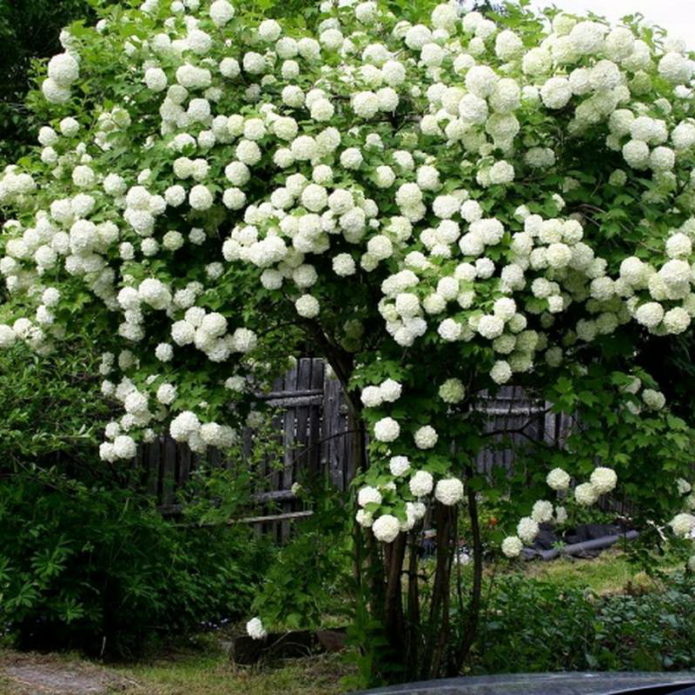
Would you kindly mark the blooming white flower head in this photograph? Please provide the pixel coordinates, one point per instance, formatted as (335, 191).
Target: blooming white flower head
(344, 265)
(512, 546)
(421, 483)
(164, 352)
(63, 69)
(124, 447)
(390, 390)
(542, 511)
(255, 629)
(364, 518)
(650, 314)
(371, 397)
(558, 479)
(586, 494)
(527, 529)
(184, 426)
(166, 394)
(386, 528)
(501, 372)
(426, 437)
(603, 479)
(386, 430)
(307, 306)
(653, 399)
(683, 524)
(452, 391)
(399, 465)
(449, 491)
(368, 495)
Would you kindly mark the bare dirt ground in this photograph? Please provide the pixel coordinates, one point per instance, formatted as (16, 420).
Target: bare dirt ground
(36, 674)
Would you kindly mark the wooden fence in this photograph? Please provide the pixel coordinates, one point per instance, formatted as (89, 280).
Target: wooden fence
(313, 436)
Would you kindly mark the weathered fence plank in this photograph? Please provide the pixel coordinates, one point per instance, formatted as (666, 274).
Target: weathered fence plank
(313, 430)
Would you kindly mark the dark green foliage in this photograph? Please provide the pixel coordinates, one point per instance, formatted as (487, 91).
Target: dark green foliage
(308, 577)
(86, 560)
(534, 626)
(100, 570)
(53, 412)
(29, 29)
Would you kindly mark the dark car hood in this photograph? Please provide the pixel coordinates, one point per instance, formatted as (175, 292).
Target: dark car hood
(549, 684)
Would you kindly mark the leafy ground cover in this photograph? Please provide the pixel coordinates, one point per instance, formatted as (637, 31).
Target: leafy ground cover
(625, 594)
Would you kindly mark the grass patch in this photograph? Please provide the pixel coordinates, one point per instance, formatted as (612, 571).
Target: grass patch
(211, 673)
(609, 573)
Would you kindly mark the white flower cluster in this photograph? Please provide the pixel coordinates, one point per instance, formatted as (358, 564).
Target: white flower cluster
(373, 174)
(417, 484)
(63, 72)
(601, 481)
(255, 629)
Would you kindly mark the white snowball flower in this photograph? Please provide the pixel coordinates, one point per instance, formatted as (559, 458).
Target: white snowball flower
(63, 69)
(54, 93)
(7, 336)
(390, 390)
(603, 479)
(649, 314)
(364, 518)
(386, 528)
(365, 104)
(558, 479)
(501, 172)
(254, 627)
(542, 511)
(344, 265)
(230, 68)
(556, 93)
(452, 391)
(683, 524)
(490, 326)
(371, 397)
(501, 372)
(164, 352)
(166, 394)
(368, 495)
(449, 491)
(676, 68)
(386, 430)
(124, 447)
(527, 529)
(512, 546)
(421, 483)
(399, 465)
(586, 494)
(155, 79)
(676, 320)
(678, 245)
(200, 198)
(221, 12)
(653, 399)
(425, 437)
(307, 306)
(184, 426)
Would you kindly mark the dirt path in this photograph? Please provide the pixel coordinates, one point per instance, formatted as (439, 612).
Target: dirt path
(36, 674)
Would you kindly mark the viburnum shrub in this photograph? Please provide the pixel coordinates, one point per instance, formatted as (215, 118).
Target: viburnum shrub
(441, 202)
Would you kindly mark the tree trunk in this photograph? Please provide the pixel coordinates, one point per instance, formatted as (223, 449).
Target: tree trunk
(438, 632)
(473, 613)
(413, 629)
